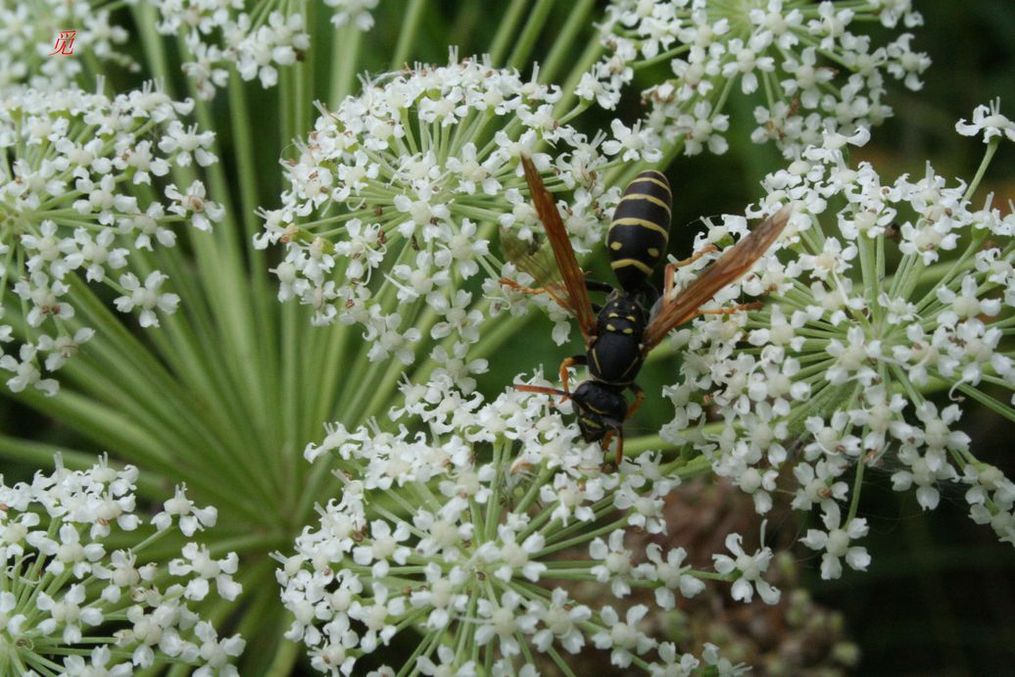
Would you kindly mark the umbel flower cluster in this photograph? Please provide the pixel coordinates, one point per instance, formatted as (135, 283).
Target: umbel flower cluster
(256, 41)
(474, 533)
(472, 536)
(81, 197)
(885, 292)
(395, 197)
(72, 604)
(815, 71)
(28, 38)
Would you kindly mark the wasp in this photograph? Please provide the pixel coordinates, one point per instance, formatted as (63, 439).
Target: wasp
(634, 317)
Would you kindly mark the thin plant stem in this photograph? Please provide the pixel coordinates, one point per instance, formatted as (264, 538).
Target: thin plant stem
(407, 34)
(506, 29)
(345, 61)
(530, 33)
(563, 43)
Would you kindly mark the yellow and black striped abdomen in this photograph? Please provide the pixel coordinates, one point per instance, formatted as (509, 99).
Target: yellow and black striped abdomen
(640, 229)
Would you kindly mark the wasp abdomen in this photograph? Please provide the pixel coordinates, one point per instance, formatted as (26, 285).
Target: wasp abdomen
(640, 229)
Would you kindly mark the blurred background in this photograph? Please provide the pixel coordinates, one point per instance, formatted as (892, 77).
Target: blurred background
(939, 598)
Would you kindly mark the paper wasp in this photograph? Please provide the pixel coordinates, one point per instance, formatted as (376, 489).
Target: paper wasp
(622, 332)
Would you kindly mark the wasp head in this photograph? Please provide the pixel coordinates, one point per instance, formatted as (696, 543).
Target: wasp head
(600, 409)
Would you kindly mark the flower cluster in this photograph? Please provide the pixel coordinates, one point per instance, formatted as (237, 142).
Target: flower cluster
(472, 536)
(885, 292)
(30, 47)
(73, 604)
(806, 638)
(79, 199)
(815, 72)
(257, 41)
(396, 195)
(793, 636)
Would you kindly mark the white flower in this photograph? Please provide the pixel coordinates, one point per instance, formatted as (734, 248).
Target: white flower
(201, 212)
(26, 372)
(215, 654)
(673, 574)
(377, 616)
(63, 519)
(561, 621)
(197, 560)
(72, 209)
(711, 46)
(68, 612)
(502, 619)
(355, 12)
(29, 36)
(221, 34)
(383, 544)
(634, 142)
(463, 556)
(191, 518)
(622, 637)
(98, 664)
(182, 143)
(747, 571)
(448, 665)
(146, 297)
(617, 564)
(989, 121)
(854, 339)
(836, 543)
(371, 206)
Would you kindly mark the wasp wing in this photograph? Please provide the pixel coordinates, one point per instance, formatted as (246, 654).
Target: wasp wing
(727, 269)
(536, 258)
(569, 290)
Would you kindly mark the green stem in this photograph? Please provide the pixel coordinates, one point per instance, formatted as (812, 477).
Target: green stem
(407, 34)
(41, 455)
(533, 26)
(982, 169)
(506, 29)
(854, 503)
(986, 400)
(563, 43)
(592, 52)
(243, 142)
(345, 63)
(285, 658)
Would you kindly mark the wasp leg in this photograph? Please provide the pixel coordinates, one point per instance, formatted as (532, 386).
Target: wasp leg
(596, 285)
(508, 282)
(639, 397)
(650, 293)
(754, 305)
(608, 440)
(573, 361)
(707, 249)
(670, 267)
